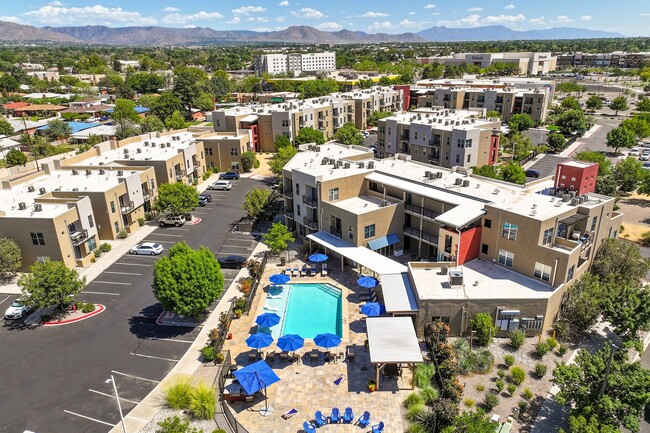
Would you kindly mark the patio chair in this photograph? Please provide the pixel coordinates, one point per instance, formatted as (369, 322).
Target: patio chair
(351, 354)
(335, 416)
(313, 356)
(324, 270)
(284, 356)
(320, 419)
(287, 271)
(371, 298)
(311, 272)
(308, 427)
(303, 271)
(378, 428)
(288, 414)
(348, 415)
(252, 357)
(364, 420)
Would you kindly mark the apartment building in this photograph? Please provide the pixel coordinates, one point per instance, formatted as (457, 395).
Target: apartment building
(223, 150)
(518, 247)
(528, 63)
(616, 59)
(294, 64)
(440, 136)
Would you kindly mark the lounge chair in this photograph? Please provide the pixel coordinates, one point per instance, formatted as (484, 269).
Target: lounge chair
(308, 427)
(378, 428)
(320, 419)
(371, 298)
(289, 413)
(335, 416)
(311, 272)
(351, 354)
(313, 356)
(348, 415)
(364, 420)
(284, 356)
(252, 357)
(323, 269)
(303, 271)
(270, 308)
(295, 272)
(287, 271)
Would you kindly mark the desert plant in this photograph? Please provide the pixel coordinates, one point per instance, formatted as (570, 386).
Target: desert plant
(203, 401)
(122, 234)
(512, 388)
(484, 326)
(429, 394)
(540, 370)
(552, 343)
(500, 385)
(480, 387)
(484, 362)
(413, 399)
(523, 405)
(424, 374)
(88, 307)
(177, 395)
(491, 400)
(461, 346)
(105, 247)
(561, 329)
(414, 412)
(501, 374)
(509, 360)
(467, 363)
(542, 348)
(208, 353)
(219, 357)
(470, 403)
(563, 349)
(517, 338)
(517, 375)
(176, 425)
(528, 394)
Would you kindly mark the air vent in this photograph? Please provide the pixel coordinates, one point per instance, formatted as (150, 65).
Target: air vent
(371, 164)
(126, 150)
(346, 165)
(102, 171)
(138, 150)
(41, 191)
(120, 173)
(465, 183)
(458, 181)
(75, 172)
(169, 145)
(30, 188)
(88, 172)
(38, 207)
(146, 143)
(22, 206)
(75, 189)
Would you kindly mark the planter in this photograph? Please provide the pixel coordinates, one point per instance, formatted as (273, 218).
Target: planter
(229, 336)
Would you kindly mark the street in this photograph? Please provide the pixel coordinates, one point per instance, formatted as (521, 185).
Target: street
(57, 379)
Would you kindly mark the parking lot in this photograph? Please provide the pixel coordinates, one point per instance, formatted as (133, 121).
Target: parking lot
(58, 379)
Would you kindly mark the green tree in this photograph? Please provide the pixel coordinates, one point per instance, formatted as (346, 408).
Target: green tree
(579, 424)
(628, 173)
(471, 422)
(8, 84)
(175, 121)
(570, 103)
(11, 258)
(349, 134)
(148, 101)
(569, 87)
(176, 198)
(189, 85)
(50, 283)
(520, 122)
(176, 425)
(125, 118)
(93, 140)
(512, 172)
(205, 102)
(581, 305)
(6, 128)
(606, 185)
(627, 388)
(621, 137)
(375, 116)
(187, 281)
(627, 308)
(248, 160)
(145, 82)
(280, 159)
(490, 114)
(256, 202)
(484, 329)
(604, 164)
(594, 102)
(166, 104)
(487, 171)
(151, 123)
(572, 121)
(643, 104)
(57, 129)
(281, 141)
(618, 104)
(318, 87)
(639, 124)
(221, 84)
(15, 157)
(620, 261)
(556, 142)
(277, 238)
(309, 135)
(123, 91)
(644, 184)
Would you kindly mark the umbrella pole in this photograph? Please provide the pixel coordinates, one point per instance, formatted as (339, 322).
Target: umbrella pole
(267, 411)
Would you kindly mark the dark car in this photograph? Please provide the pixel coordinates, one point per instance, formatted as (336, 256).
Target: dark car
(232, 262)
(532, 173)
(202, 201)
(231, 175)
(205, 196)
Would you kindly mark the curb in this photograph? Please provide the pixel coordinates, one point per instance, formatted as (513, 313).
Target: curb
(195, 222)
(162, 321)
(76, 319)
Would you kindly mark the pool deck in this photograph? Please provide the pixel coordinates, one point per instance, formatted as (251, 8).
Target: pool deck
(308, 386)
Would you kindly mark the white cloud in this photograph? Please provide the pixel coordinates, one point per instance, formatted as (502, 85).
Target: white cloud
(279, 19)
(411, 13)
(11, 19)
(308, 13)
(199, 16)
(510, 6)
(329, 26)
(372, 14)
(56, 3)
(234, 20)
(430, 6)
(247, 10)
(478, 9)
(283, 3)
(537, 21)
(170, 9)
(503, 19)
(383, 25)
(585, 18)
(258, 19)
(412, 25)
(644, 14)
(56, 14)
(469, 21)
(563, 19)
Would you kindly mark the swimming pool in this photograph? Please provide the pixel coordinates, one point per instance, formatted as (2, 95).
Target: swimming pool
(306, 309)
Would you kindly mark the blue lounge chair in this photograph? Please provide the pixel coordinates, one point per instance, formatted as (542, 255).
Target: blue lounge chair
(308, 427)
(378, 428)
(320, 419)
(335, 416)
(324, 270)
(348, 415)
(364, 419)
(289, 413)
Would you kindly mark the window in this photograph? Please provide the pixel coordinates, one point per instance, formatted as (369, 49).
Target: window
(112, 207)
(37, 238)
(548, 236)
(234, 165)
(372, 186)
(457, 159)
(285, 123)
(506, 258)
(234, 151)
(509, 231)
(469, 158)
(443, 319)
(569, 275)
(116, 225)
(594, 220)
(208, 151)
(92, 244)
(333, 194)
(297, 189)
(91, 223)
(298, 209)
(487, 223)
(415, 135)
(484, 248)
(542, 271)
(369, 231)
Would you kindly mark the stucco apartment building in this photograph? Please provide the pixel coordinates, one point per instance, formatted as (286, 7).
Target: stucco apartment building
(223, 150)
(507, 250)
(294, 64)
(528, 63)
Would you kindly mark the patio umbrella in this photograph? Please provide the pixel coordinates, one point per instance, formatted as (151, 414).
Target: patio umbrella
(279, 279)
(255, 377)
(259, 340)
(290, 342)
(267, 320)
(373, 309)
(318, 257)
(367, 282)
(327, 340)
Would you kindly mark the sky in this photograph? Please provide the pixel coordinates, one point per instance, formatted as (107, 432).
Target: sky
(629, 17)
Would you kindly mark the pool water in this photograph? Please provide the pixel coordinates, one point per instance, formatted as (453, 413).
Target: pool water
(306, 309)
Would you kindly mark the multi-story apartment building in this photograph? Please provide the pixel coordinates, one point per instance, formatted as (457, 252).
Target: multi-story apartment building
(528, 63)
(223, 150)
(518, 247)
(295, 63)
(440, 136)
(618, 59)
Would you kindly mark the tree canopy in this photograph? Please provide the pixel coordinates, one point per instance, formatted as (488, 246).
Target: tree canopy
(309, 135)
(512, 172)
(15, 157)
(349, 134)
(50, 283)
(190, 84)
(618, 104)
(281, 141)
(11, 257)
(604, 164)
(556, 142)
(175, 121)
(627, 174)
(520, 122)
(166, 104)
(57, 129)
(594, 102)
(318, 87)
(621, 260)
(125, 118)
(176, 198)
(280, 159)
(572, 121)
(145, 82)
(6, 128)
(621, 137)
(277, 238)
(249, 161)
(151, 123)
(256, 202)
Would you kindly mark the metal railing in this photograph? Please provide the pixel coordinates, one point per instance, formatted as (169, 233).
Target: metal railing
(79, 237)
(256, 284)
(127, 207)
(148, 194)
(309, 201)
(420, 211)
(312, 224)
(224, 372)
(287, 191)
(420, 234)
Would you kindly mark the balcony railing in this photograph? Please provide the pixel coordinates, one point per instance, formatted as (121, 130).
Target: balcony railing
(312, 224)
(180, 174)
(288, 191)
(197, 165)
(434, 143)
(422, 235)
(79, 237)
(288, 213)
(127, 207)
(309, 201)
(420, 211)
(148, 194)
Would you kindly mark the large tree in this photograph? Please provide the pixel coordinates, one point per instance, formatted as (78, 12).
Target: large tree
(520, 122)
(125, 118)
(594, 102)
(221, 84)
(57, 129)
(628, 173)
(176, 198)
(318, 87)
(166, 104)
(15, 157)
(620, 260)
(581, 305)
(280, 159)
(50, 283)
(151, 123)
(572, 122)
(639, 124)
(249, 161)
(309, 135)
(187, 281)
(349, 134)
(11, 257)
(627, 308)
(6, 128)
(556, 142)
(618, 104)
(281, 141)
(175, 121)
(277, 238)
(512, 172)
(643, 104)
(189, 85)
(604, 164)
(145, 82)
(621, 137)
(376, 115)
(256, 202)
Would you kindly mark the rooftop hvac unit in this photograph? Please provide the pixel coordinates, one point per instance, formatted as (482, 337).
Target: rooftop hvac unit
(427, 174)
(38, 207)
(566, 198)
(132, 159)
(443, 270)
(439, 175)
(75, 172)
(146, 143)
(162, 145)
(496, 191)
(138, 150)
(30, 188)
(126, 150)
(120, 173)
(323, 161)
(456, 277)
(346, 165)
(371, 164)
(147, 159)
(22, 206)
(465, 183)
(575, 201)
(360, 164)
(102, 171)
(41, 190)
(169, 145)
(88, 172)
(458, 181)
(75, 189)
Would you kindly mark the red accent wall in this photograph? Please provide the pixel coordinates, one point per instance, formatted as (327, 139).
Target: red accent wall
(470, 245)
(255, 137)
(582, 180)
(406, 96)
(494, 149)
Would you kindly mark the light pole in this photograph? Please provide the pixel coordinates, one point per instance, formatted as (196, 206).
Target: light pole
(609, 365)
(119, 406)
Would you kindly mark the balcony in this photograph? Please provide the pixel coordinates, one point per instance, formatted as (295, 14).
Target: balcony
(148, 194)
(288, 213)
(421, 212)
(309, 201)
(288, 191)
(434, 143)
(78, 237)
(127, 207)
(312, 224)
(180, 174)
(197, 165)
(422, 235)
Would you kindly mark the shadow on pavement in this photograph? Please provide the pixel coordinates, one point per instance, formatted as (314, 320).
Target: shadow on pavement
(144, 325)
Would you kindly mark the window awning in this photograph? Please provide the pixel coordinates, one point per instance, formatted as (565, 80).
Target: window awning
(384, 241)
(392, 340)
(398, 294)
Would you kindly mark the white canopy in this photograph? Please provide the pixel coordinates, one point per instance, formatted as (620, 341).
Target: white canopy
(392, 340)
(397, 292)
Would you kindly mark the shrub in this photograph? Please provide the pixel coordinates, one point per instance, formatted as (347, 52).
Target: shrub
(424, 374)
(429, 394)
(470, 403)
(484, 362)
(509, 360)
(203, 401)
(219, 357)
(552, 343)
(176, 425)
(484, 327)
(177, 395)
(480, 387)
(517, 375)
(561, 330)
(528, 394)
(140, 221)
(523, 405)
(413, 399)
(517, 338)
(88, 307)
(542, 348)
(563, 349)
(467, 363)
(491, 400)
(122, 234)
(240, 304)
(105, 247)
(501, 374)
(414, 412)
(461, 346)
(208, 353)
(500, 385)
(512, 388)
(540, 370)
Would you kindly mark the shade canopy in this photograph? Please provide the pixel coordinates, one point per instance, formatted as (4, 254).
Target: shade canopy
(327, 340)
(368, 282)
(392, 340)
(383, 241)
(256, 376)
(279, 279)
(267, 319)
(290, 342)
(259, 340)
(318, 257)
(373, 309)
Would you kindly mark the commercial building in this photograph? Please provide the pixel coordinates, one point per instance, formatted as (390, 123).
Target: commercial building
(508, 250)
(538, 63)
(616, 59)
(294, 64)
(440, 136)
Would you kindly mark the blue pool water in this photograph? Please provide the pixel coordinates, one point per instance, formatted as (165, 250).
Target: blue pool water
(306, 309)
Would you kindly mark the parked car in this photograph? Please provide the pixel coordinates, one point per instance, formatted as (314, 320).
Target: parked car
(645, 155)
(646, 165)
(203, 200)
(231, 175)
(207, 196)
(232, 262)
(147, 249)
(172, 220)
(634, 152)
(532, 173)
(223, 185)
(16, 310)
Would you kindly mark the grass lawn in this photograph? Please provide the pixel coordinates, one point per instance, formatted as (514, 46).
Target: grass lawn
(552, 128)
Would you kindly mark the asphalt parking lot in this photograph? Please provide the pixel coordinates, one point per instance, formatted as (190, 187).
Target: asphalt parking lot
(57, 379)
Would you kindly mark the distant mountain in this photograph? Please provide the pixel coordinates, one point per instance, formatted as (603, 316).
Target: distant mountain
(501, 33)
(12, 32)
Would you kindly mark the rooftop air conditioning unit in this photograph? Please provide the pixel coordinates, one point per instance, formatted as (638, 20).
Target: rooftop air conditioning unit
(146, 143)
(566, 198)
(360, 164)
(138, 150)
(41, 190)
(458, 181)
(323, 161)
(120, 173)
(443, 270)
(427, 174)
(169, 145)
(465, 183)
(22, 206)
(575, 201)
(30, 188)
(371, 164)
(88, 172)
(439, 175)
(132, 159)
(162, 145)
(456, 277)
(75, 189)
(75, 172)
(102, 171)
(38, 207)
(346, 165)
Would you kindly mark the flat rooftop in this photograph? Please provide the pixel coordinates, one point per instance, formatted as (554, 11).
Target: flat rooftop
(442, 119)
(482, 280)
(361, 205)
(310, 161)
(149, 148)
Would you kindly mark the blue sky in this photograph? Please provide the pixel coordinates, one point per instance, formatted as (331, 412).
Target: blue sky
(629, 17)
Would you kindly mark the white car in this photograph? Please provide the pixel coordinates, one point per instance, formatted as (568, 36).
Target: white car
(645, 155)
(16, 310)
(224, 185)
(147, 248)
(634, 152)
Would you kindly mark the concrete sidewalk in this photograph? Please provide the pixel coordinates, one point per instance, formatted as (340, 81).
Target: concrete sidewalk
(580, 141)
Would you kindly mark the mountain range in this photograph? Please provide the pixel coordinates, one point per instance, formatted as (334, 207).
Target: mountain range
(153, 35)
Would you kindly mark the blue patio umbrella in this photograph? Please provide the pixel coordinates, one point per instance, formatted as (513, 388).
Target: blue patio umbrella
(279, 279)
(367, 282)
(318, 257)
(373, 309)
(327, 340)
(267, 320)
(290, 342)
(259, 340)
(255, 377)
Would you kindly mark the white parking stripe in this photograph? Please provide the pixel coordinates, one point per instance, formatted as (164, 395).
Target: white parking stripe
(89, 418)
(133, 264)
(172, 340)
(100, 293)
(200, 213)
(121, 273)
(110, 282)
(154, 357)
(178, 229)
(112, 396)
(135, 377)
(171, 236)
(5, 299)
(250, 241)
(158, 242)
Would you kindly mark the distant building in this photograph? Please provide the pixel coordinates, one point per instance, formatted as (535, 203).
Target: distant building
(126, 64)
(528, 63)
(616, 59)
(294, 64)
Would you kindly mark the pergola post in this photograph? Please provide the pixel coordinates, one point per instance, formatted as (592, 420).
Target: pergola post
(412, 367)
(379, 366)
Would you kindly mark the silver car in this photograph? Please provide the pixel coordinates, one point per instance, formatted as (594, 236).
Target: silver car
(223, 185)
(147, 248)
(16, 310)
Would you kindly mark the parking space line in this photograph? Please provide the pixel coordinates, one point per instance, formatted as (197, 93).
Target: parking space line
(100, 293)
(200, 213)
(154, 357)
(173, 340)
(88, 418)
(241, 240)
(5, 299)
(121, 273)
(171, 236)
(177, 229)
(135, 377)
(160, 242)
(225, 254)
(110, 282)
(138, 419)
(112, 396)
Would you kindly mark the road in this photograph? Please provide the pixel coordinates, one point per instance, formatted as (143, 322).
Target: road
(598, 140)
(55, 379)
